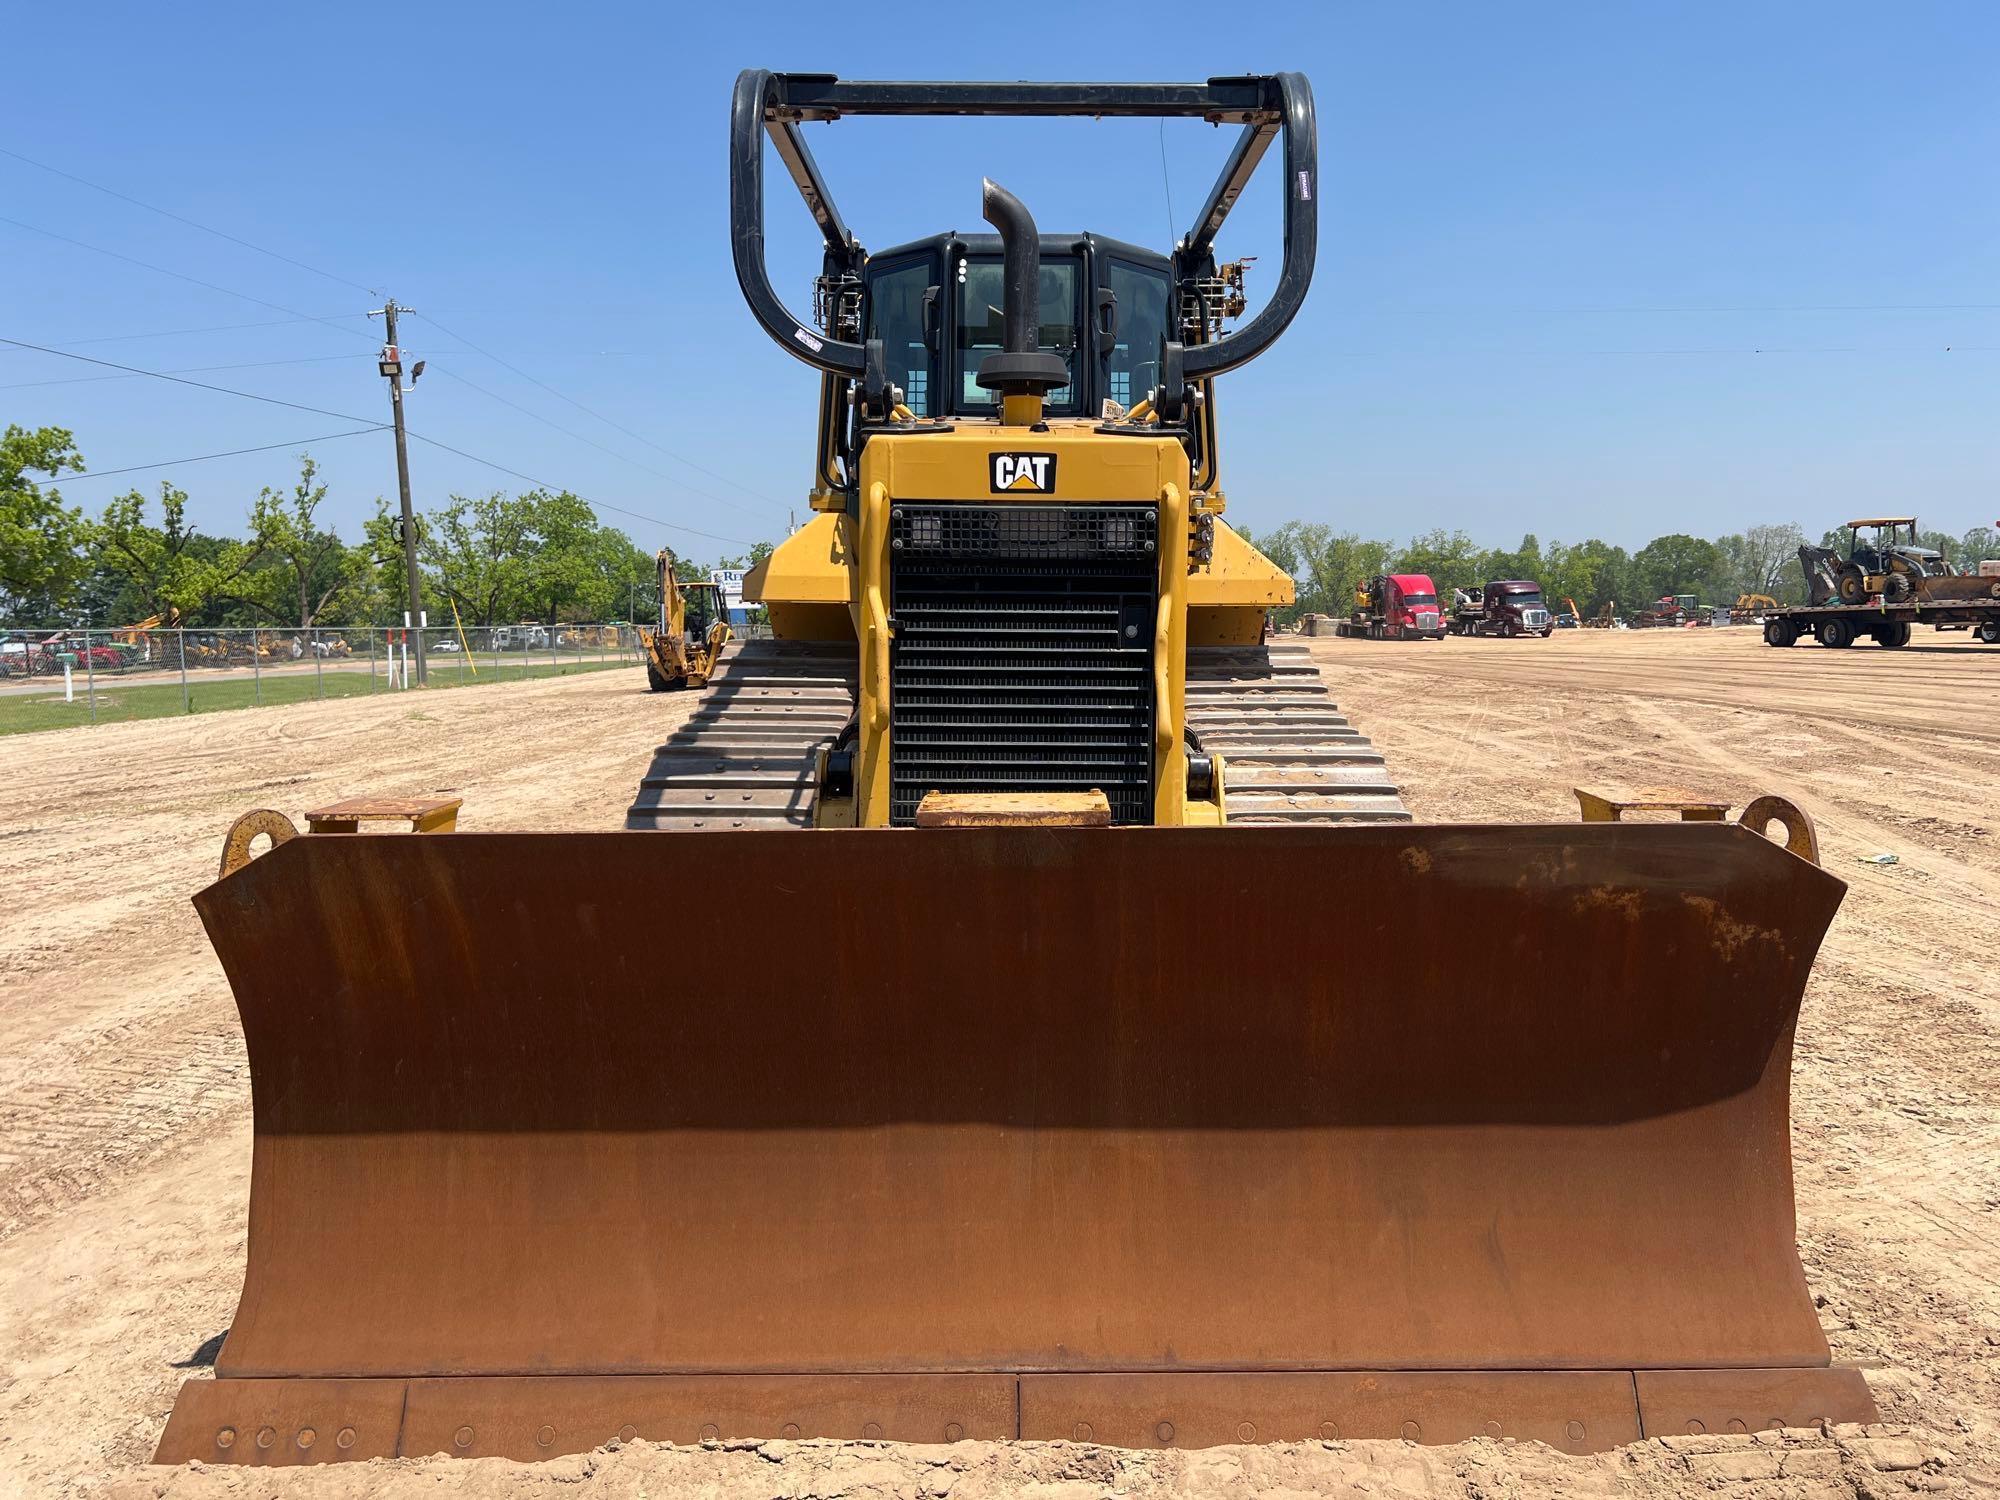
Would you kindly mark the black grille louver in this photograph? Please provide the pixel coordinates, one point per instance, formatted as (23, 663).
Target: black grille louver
(1022, 659)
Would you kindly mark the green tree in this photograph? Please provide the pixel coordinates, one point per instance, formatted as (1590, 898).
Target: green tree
(384, 594)
(1280, 548)
(758, 552)
(1523, 562)
(1760, 560)
(42, 541)
(1448, 558)
(1943, 543)
(1276, 545)
(566, 555)
(171, 567)
(1330, 564)
(1978, 544)
(305, 571)
(476, 549)
(1678, 564)
(621, 574)
(1570, 574)
(1603, 574)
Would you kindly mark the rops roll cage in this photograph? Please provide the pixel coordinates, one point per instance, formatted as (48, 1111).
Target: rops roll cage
(1265, 106)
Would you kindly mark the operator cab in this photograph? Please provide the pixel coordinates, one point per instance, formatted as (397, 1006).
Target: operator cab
(936, 305)
(1893, 536)
(704, 609)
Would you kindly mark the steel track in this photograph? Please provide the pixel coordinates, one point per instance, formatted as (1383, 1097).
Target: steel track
(745, 758)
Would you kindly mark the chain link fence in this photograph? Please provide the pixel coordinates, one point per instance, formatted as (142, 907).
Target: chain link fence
(57, 676)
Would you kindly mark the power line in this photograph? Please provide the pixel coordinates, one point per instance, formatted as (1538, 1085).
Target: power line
(132, 260)
(1747, 307)
(262, 364)
(200, 385)
(542, 484)
(1415, 352)
(174, 333)
(579, 437)
(179, 219)
(1173, 235)
(201, 458)
(305, 317)
(587, 411)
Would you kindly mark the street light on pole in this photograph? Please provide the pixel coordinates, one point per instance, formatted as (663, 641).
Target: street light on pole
(391, 366)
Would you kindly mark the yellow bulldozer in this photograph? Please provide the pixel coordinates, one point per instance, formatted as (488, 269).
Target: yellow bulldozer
(1113, 1060)
(688, 640)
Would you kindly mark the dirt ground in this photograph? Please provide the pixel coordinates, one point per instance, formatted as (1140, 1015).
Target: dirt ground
(124, 1100)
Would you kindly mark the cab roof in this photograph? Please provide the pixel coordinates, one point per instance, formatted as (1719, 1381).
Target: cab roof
(1052, 245)
(1884, 521)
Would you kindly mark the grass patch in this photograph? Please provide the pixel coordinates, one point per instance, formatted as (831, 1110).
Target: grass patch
(121, 697)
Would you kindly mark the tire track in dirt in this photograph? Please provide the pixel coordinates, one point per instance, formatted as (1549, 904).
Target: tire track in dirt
(1894, 1099)
(141, 1054)
(128, 1189)
(82, 1112)
(1929, 693)
(1916, 1163)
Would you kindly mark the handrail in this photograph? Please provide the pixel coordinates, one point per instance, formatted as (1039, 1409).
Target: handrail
(875, 664)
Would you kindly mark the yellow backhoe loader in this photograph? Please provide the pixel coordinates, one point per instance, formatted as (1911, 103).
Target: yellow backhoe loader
(1114, 1060)
(693, 628)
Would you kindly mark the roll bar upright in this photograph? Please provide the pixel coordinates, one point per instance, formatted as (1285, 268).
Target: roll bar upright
(775, 104)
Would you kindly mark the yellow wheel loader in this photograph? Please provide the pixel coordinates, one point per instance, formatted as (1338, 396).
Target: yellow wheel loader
(693, 629)
(1112, 1060)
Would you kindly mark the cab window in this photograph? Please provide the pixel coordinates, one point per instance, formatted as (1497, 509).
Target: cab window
(1141, 295)
(981, 325)
(896, 317)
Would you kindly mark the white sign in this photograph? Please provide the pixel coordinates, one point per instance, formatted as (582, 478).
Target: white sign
(730, 581)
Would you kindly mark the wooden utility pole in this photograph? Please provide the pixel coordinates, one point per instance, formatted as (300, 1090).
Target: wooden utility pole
(391, 367)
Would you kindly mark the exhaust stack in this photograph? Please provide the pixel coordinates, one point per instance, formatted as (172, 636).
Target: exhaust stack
(1022, 373)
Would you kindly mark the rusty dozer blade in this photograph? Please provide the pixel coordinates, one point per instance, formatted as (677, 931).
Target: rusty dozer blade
(1142, 1135)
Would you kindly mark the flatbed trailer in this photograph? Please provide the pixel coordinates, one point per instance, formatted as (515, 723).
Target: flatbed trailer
(1884, 623)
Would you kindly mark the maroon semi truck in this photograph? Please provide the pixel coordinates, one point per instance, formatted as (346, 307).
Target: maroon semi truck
(1507, 606)
(1395, 607)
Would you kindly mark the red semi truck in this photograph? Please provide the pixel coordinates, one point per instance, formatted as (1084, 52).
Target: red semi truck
(1395, 607)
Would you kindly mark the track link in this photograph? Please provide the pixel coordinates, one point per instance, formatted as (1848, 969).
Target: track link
(1289, 755)
(745, 757)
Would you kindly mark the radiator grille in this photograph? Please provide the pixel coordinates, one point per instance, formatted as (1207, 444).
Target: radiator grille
(1023, 654)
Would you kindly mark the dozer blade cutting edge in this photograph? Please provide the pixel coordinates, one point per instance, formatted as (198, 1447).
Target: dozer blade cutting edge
(1147, 1136)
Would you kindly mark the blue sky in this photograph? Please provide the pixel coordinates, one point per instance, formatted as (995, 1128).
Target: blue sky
(1586, 269)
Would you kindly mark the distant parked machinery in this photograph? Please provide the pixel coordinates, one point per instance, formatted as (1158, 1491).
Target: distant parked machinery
(693, 628)
(1395, 607)
(1673, 611)
(1506, 607)
(1884, 561)
(1900, 585)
